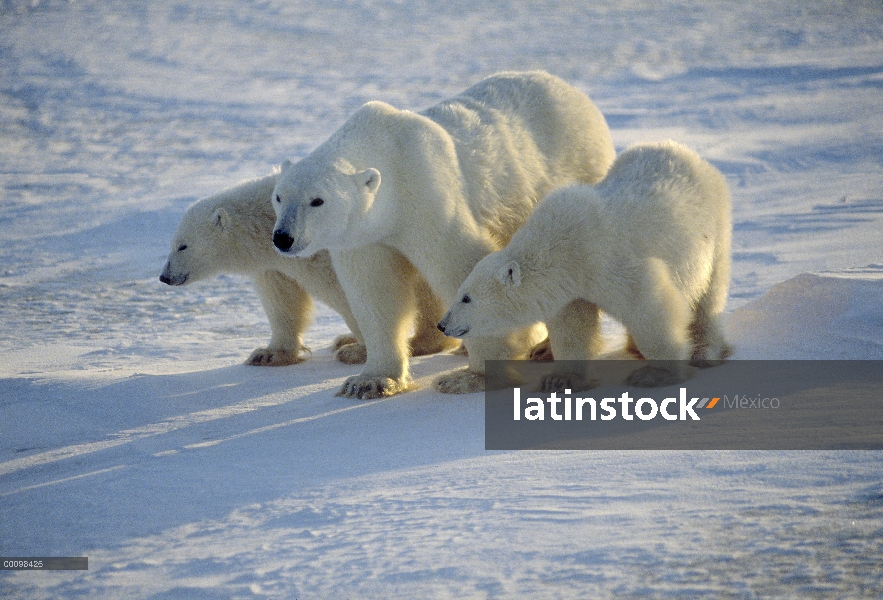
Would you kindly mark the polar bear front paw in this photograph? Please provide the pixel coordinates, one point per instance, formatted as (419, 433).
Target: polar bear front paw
(274, 357)
(460, 382)
(352, 354)
(649, 377)
(343, 340)
(369, 387)
(558, 382)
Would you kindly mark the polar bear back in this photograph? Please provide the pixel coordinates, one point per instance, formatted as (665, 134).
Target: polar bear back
(659, 201)
(669, 201)
(517, 136)
(474, 165)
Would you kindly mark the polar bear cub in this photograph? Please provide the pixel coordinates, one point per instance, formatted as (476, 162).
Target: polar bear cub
(442, 188)
(230, 232)
(649, 245)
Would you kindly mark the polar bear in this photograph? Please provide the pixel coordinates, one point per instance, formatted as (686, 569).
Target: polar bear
(443, 188)
(650, 245)
(231, 232)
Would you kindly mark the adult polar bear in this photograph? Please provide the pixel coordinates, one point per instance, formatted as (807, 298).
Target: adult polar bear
(231, 232)
(442, 188)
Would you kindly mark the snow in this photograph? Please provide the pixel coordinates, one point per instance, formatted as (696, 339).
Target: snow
(131, 433)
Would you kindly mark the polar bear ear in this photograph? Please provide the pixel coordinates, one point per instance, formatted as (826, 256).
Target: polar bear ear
(286, 164)
(221, 218)
(370, 178)
(509, 274)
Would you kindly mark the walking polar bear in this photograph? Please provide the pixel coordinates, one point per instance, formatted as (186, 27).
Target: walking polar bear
(650, 245)
(231, 232)
(443, 188)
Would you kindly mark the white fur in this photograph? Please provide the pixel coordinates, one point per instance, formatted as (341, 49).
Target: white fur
(650, 245)
(231, 232)
(442, 188)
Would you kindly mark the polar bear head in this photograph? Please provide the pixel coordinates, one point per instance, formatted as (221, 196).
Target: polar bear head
(496, 297)
(322, 204)
(200, 245)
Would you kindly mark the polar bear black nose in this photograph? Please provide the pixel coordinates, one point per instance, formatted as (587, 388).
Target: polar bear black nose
(282, 240)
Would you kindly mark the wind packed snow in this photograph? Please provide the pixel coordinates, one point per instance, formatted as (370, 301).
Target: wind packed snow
(131, 433)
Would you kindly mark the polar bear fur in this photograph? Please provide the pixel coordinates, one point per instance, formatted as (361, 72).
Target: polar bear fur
(230, 232)
(649, 245)
(443, 188)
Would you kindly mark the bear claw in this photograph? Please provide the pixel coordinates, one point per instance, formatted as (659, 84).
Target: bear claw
(649, 377)
(460, 382)
(343, 340)
(352, 354)
(270, 357)
(558, 382)
(369, 388)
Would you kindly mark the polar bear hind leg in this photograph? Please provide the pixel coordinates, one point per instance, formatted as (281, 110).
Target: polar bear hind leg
(710, 347)
(659, 327)
(342, 340)
(427, 337)
(353, 353)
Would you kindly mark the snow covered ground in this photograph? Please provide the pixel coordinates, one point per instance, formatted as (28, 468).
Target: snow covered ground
(131, 433)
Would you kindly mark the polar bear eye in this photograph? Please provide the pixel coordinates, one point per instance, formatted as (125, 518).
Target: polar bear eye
(182, 247)
(317, 202)
(466, 299)
(278, 199)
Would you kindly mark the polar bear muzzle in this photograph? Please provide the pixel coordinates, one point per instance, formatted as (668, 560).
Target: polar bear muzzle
(169, 278)
(289, 245)
(445, 327)
(282, 240)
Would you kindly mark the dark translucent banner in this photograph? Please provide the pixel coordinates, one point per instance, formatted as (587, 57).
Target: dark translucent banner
(740, 405)
(44, 563)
